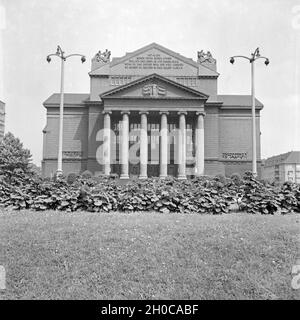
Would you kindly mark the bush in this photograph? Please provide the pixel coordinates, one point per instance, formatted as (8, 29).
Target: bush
(258, 198)
(236, 179)
(71, 178)
(86, 174)
(104, 194)
(289, 197)
(221, 178)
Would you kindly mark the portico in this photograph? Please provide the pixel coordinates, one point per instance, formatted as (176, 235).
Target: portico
(146, 113)
(143, 136)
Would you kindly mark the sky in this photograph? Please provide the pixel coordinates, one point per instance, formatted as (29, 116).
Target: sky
(31, 29)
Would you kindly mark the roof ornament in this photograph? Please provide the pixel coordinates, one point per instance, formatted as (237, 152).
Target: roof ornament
(103, 56)
(205, 57)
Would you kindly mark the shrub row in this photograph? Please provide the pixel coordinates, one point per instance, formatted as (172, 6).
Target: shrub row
(104, 194)
(264, 198)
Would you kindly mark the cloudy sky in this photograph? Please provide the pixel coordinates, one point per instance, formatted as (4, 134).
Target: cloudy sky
(31, 29)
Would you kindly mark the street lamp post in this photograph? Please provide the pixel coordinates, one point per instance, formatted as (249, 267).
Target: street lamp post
(254, 56)
(61, 54)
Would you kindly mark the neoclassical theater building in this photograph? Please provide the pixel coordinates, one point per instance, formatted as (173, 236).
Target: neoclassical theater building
(152, 112)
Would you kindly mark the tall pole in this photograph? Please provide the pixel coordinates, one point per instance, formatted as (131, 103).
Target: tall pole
(254, 56)
(61, 119)
(254, 158)
(60, 54)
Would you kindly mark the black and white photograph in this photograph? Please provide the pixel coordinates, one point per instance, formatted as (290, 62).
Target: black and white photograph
(149, 153)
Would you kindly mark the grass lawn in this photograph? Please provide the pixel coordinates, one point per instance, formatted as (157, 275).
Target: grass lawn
(84, 255)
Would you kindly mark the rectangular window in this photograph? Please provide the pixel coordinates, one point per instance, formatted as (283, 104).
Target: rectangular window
(187, 81)
(119, 80)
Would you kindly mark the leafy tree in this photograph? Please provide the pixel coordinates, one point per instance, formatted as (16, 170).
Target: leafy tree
(13, 156)
(35, 169)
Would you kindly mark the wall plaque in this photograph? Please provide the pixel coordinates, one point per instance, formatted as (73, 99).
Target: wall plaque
(234, 155)
(72, 154)
(153, 61)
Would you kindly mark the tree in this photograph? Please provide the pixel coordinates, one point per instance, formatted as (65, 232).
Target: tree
(35, 169)
(13, 156)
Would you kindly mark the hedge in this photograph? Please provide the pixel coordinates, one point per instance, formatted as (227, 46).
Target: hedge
(103, 194)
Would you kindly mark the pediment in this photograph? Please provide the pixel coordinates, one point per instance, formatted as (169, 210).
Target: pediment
(153, 87)
(153, 58)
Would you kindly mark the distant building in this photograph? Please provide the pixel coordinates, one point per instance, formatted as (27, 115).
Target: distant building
(282, 168)
(2, 119)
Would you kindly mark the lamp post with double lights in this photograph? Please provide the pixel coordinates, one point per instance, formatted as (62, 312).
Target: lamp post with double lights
(61, 54)
(254, 56)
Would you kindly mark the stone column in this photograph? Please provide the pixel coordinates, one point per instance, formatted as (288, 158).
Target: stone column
(125, 145)
(107, 142)
(200, 144)
(182, 145)
(163, 144)
(143, 146)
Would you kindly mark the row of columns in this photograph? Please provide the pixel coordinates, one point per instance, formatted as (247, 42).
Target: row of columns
(199, 168)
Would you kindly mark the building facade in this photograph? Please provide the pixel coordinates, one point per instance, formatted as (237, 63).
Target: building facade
(2, 119)
(152, 112)
(282, 168)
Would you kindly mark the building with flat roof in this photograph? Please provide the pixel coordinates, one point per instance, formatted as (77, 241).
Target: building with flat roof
(283, 167)
(2, 119)
(152, 112)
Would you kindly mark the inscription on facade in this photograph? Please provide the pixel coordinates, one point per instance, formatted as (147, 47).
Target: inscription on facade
(154, 61)
(72, 154)
(234, 155)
